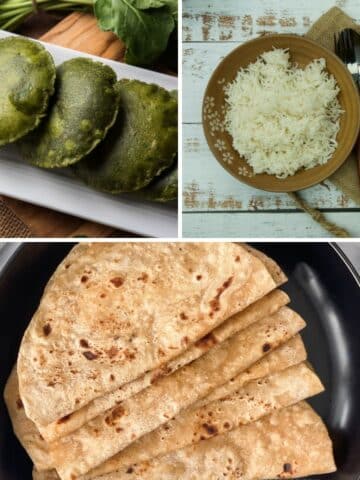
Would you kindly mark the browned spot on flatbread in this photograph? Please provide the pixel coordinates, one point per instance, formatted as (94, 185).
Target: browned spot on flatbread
(215, 302)
(130, 355)
(84, 343)
(64, 419)
(211, 429)
(130, 470)
(287, 470)
(156, 375)
(117, 282)
(84, 279)
(47, 329)
(183, 316)
(90, 355)
(207, 341)
(266, 347)
(19, 404)
(143, 277)
(112, 352)
(115, 414)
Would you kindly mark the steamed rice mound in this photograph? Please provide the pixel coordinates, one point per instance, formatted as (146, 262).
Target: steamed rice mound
(283, 118)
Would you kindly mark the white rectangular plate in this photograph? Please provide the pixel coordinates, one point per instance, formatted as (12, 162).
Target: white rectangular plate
(54, 189)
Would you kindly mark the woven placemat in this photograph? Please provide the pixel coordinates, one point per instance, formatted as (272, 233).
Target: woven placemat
(10, 224)
(347, 177)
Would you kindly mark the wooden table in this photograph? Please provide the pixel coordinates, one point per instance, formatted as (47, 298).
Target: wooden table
(214, 203)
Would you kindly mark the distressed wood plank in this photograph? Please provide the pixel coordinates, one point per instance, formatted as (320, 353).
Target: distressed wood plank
(199, 61)
(208, 187)
(214, 203)
(256, 225)
(238, 21)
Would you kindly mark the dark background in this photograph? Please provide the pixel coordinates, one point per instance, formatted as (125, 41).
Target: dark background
(324, 289)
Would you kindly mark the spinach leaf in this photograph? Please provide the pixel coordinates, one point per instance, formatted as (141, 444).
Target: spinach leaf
(172, 5)
(143, 28)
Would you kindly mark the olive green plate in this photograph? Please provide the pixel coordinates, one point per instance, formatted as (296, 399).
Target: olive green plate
(302, 52)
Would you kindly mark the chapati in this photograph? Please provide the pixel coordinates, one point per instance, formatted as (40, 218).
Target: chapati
(261, 308)
(113, 311)
(290, 443)
(75, 454)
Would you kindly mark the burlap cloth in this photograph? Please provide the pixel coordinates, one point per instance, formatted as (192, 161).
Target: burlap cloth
(10, 225)
(347, 177)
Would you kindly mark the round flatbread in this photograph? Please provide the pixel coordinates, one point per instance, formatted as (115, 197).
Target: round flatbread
(163, 188)
(83, 109)
(142, 143)
(27, 77)
(115, 310)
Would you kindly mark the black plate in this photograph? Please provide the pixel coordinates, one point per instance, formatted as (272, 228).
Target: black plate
(324, 289)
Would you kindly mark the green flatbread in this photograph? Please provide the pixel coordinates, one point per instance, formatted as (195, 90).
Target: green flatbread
(27, 77)
(141, 144)
(83, 109)
(163, 188)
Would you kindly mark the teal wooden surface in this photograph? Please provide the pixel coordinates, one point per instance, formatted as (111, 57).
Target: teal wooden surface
(214, 203)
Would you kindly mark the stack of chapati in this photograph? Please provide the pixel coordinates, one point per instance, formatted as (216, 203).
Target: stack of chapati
(166, 361)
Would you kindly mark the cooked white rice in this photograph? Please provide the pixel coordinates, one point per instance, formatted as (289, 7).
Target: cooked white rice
(283, 118)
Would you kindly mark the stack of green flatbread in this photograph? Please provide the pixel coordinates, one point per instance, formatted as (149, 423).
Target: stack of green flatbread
(116, 136)
(167, 361)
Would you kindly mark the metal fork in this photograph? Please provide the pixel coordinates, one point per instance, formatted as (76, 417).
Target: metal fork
(347, 47)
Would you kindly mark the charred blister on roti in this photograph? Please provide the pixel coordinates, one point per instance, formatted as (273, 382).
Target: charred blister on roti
(27, 77)
(141, 144)
(82, 110)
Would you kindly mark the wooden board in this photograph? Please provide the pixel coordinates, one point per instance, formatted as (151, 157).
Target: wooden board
(213, 201)
(80, 32)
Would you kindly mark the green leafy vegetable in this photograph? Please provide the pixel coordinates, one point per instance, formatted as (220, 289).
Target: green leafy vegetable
(143, 25)
(14, 12)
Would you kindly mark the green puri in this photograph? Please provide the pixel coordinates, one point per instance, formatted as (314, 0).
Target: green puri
(27, 77)
(163, 188)
(83, 109)
(141, 144)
